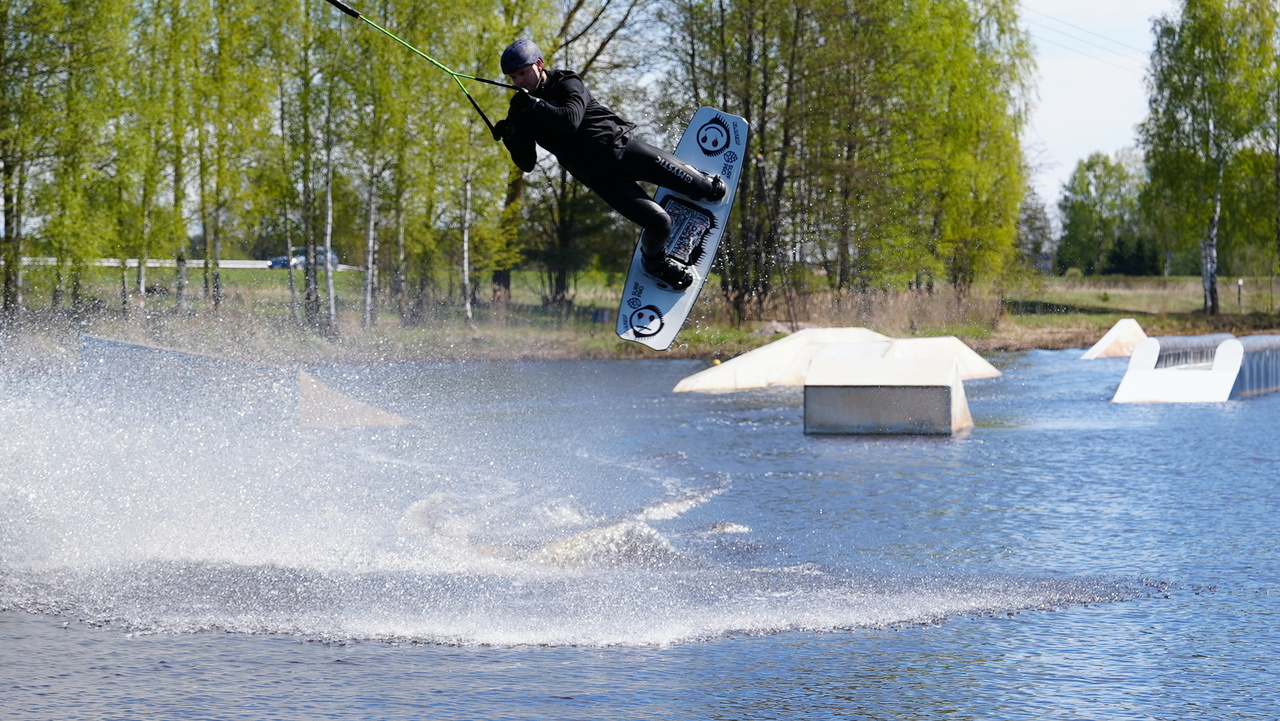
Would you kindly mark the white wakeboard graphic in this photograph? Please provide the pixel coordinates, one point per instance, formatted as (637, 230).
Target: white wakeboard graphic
(651, 311)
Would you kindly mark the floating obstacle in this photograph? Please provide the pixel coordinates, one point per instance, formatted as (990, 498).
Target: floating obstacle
(1118, 342)
(192, 387)
(858, 381)
(921, 396)
(1209, 368)
(786, 362)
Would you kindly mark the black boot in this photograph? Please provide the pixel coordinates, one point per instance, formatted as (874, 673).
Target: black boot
(718, 188)
(667, 270)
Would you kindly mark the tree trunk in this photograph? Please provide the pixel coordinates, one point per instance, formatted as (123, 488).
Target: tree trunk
(141, 284)
(7, 241)
(11, 204)
(398, 280)
(370, 255)
(205, 230)
(501, 280)
(284, 207)
(1209, 247)
(181, 282)
(564, 245)
(501, 286)
(331, 324)
(178, 131)
(466, 250)
(1275, 166)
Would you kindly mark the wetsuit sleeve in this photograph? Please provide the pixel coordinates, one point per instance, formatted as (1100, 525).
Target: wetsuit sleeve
(563, 114)
(520, 144)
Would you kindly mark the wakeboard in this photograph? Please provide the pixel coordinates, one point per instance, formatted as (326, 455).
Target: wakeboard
(652, 312)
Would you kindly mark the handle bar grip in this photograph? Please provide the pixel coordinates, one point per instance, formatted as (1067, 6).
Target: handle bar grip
(345, 8)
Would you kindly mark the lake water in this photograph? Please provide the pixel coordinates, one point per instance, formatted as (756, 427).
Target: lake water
(574, 541)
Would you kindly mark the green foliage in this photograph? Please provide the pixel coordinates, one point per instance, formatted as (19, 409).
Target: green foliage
(1102, 229)
(1207, 103)
(1035, 229)
(31, 68)
(887, 134)
(209, 129)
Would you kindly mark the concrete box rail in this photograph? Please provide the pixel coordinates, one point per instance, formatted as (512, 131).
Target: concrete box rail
(921, 396)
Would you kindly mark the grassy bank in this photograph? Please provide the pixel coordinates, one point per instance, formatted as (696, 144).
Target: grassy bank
(257, 321)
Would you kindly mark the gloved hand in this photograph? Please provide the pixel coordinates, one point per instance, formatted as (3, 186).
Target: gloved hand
(523, 101)
(503, 129)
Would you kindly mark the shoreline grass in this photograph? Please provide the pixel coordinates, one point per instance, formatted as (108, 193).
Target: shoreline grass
(256, 322)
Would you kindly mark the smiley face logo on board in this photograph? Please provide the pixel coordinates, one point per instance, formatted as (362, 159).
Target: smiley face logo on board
(646, 321)
(713, 137)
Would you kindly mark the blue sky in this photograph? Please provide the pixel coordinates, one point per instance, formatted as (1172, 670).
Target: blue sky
(1091, 58)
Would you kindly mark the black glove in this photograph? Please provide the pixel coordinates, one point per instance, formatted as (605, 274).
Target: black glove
(503, 130)
(523, 101)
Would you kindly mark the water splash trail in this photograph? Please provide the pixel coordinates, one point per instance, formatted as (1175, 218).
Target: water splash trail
(498, 526)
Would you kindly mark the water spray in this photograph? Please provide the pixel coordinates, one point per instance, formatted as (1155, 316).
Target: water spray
(457, 76)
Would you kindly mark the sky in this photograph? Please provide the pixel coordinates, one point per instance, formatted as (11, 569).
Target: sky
(1091, 58)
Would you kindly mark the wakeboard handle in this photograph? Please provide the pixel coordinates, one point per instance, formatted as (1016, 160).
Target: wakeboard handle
(345, 8)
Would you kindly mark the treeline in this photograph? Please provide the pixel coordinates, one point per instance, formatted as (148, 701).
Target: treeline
(1202, 192)
(885, 134)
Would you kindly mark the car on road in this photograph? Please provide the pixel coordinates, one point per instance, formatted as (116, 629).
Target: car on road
(299, 259)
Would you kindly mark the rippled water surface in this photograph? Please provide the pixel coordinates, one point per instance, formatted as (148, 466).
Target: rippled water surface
(573, 540)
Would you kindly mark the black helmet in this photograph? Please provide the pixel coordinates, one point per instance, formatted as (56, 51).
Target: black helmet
(519, 54)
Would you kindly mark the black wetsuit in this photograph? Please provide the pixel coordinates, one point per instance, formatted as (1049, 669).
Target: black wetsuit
(596, 147)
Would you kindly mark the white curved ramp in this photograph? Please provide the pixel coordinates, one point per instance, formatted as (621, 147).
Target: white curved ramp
(786, 362)
(1118, 342)
(1196, 382)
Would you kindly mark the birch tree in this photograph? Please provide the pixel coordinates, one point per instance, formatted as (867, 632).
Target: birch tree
(28, 73)
(886, 135)
(1203, 100)
(233, 125)
(91, 43)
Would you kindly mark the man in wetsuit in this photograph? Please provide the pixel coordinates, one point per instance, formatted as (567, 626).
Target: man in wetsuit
(554, 110)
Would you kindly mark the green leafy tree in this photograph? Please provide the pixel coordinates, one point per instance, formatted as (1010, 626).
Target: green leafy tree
(839, 165)
(979, 109)
(591, 38)
(747, 58)
(1035, 231)
(1204, 106)
(1247, 239)
(29, 68)
(886, 136)
(1268, 19)
(233, 122)
(73, 193)
(311, 55)
(1099, 209)
(184, 23)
